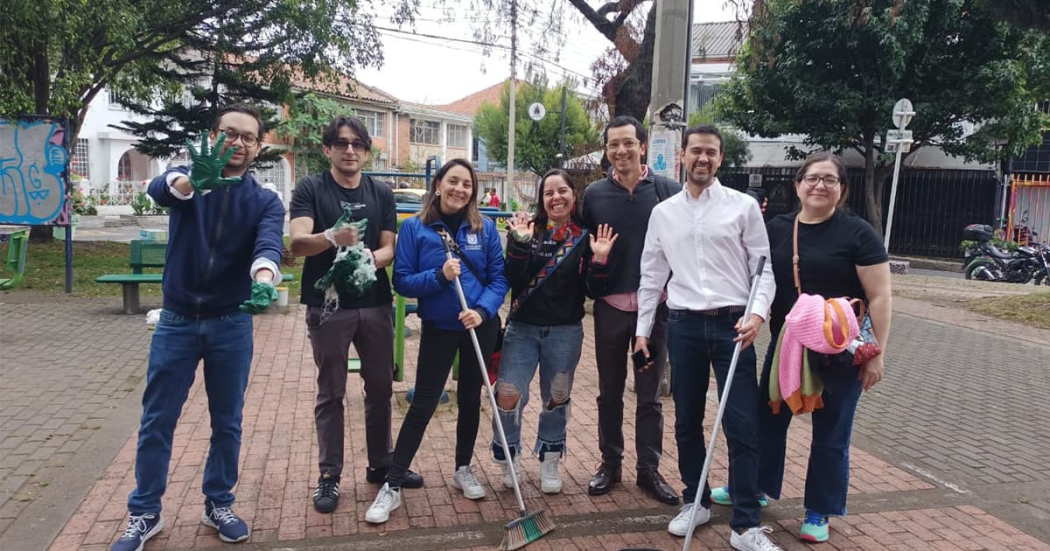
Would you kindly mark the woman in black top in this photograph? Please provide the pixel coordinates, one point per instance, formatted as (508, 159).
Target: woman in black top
(545, 268)
(840, 255)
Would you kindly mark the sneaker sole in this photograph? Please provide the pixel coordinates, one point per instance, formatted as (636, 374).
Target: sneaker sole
(208, 522)
(326, 510)
(459, 487)
(551, 490)
(811, 539)
(385, 518)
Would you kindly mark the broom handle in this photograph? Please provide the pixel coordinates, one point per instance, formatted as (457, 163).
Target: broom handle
(488, 385)
(722, 404)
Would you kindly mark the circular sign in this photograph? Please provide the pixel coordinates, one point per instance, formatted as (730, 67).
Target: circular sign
(537, 111)
(902, 113)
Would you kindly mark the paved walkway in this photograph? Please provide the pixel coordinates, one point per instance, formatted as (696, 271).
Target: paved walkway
(940, 458)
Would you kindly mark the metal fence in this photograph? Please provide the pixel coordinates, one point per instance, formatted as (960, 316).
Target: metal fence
(933, 205)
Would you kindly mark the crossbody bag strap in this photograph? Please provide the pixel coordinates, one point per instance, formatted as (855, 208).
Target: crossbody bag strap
(794, 257)
(564, 251)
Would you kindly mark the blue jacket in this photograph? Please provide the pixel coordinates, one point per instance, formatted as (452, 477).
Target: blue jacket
(417, 271)
(213, 240)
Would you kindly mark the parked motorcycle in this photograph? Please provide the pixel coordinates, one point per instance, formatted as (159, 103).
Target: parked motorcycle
(986, 262)
(1042, 272)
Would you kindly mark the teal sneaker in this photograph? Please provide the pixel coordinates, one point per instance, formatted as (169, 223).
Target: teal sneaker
(721, 496)
(814, 528)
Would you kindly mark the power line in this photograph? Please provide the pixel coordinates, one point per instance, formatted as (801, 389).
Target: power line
(483, 44)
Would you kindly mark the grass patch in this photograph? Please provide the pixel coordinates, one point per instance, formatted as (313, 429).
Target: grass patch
(1032, 309)
(46, 269)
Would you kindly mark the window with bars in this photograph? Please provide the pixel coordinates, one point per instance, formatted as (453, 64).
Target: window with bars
(457, 135)
(81, 164)
(373, 122)
(425, 132)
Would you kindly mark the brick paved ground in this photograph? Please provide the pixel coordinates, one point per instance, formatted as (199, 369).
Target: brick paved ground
(65, 365)
(955, 389)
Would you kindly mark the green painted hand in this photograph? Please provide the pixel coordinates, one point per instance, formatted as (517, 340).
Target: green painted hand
(263, 295)
(206, 169)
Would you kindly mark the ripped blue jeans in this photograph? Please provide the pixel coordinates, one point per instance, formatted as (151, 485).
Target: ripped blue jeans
(556, 349)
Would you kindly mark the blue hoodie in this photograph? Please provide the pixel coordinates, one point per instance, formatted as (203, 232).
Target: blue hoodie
(213, 240)
(417, 271)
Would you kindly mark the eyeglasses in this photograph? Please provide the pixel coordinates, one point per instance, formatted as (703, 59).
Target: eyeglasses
(246, 139)
(358, 145)
(628, 144)
(812, 180)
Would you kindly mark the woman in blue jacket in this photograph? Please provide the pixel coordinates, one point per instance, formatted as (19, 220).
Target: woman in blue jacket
(422, 271)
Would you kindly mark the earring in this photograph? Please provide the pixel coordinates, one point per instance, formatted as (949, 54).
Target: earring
(437, 194)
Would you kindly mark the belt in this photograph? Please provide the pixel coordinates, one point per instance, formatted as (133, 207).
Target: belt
(723, 311)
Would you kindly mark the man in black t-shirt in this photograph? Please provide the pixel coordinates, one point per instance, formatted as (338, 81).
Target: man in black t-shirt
(365, 321)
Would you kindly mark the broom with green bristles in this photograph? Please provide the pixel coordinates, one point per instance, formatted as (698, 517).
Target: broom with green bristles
(526, 528)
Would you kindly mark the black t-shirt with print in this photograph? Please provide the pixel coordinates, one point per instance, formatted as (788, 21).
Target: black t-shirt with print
(321, 198)
(829, 253)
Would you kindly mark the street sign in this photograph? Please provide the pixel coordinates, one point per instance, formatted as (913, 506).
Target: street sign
(902, 113)
(898, 139)
(537, 111)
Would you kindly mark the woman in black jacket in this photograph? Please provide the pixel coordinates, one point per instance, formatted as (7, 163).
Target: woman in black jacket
(545, 267)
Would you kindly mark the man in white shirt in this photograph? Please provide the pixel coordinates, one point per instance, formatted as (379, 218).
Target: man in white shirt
(707, 240)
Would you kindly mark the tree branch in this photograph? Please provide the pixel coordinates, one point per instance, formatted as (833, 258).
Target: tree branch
(609, 29)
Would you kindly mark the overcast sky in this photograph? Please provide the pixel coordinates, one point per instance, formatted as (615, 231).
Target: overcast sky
(435, 71)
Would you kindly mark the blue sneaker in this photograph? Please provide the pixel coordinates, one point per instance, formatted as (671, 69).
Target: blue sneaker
(140, 528)
(720, 496)
(231, 528)
(814, 528)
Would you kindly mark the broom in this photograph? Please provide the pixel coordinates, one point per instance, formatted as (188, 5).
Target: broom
(722, 403)
(527, 528)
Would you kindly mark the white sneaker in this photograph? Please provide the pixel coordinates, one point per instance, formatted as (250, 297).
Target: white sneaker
(508, 481)
(388, 500)
(465, 480)
(550, 478)
(754, 539)
(679, 525)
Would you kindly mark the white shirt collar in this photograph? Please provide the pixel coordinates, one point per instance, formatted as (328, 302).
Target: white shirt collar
(712, 191)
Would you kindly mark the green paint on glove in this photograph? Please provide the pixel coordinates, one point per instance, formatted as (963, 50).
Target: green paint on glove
(207, 165)
(263, 295)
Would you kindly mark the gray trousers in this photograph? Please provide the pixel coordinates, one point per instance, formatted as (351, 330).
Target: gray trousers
(372, 334)
(613, 337)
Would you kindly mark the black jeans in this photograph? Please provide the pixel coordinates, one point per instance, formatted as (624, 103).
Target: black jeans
(697, 343)
(613, 336)
(437, 350)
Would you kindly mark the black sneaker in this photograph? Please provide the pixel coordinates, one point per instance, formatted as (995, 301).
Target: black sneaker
(326, 496)
(412, 479)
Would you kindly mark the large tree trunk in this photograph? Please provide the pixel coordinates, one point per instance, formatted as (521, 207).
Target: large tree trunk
(633, 91)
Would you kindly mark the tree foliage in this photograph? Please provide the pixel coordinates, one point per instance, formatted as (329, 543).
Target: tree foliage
(832, 70)
(623, 73)
(56, 56)
(537, 144)
(735, 150)
(1029, 14)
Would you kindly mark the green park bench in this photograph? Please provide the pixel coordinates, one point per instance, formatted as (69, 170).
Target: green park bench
(18, 244)
(145, 254)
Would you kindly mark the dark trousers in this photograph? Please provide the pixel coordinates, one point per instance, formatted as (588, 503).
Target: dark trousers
(369, 329)
(827, 477)
(697, 343)
(437, 350)
(614, 331)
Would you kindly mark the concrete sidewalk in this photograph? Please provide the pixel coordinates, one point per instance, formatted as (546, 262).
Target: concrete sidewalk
(957, 493)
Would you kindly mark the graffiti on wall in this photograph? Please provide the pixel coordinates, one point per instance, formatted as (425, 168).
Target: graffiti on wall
(33, 165)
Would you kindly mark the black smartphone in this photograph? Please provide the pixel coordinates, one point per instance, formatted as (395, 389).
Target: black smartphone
(640, 359)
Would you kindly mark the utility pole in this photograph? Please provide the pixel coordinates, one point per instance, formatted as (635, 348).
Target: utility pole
(667, 107)
(564, 90)
(513, 93)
